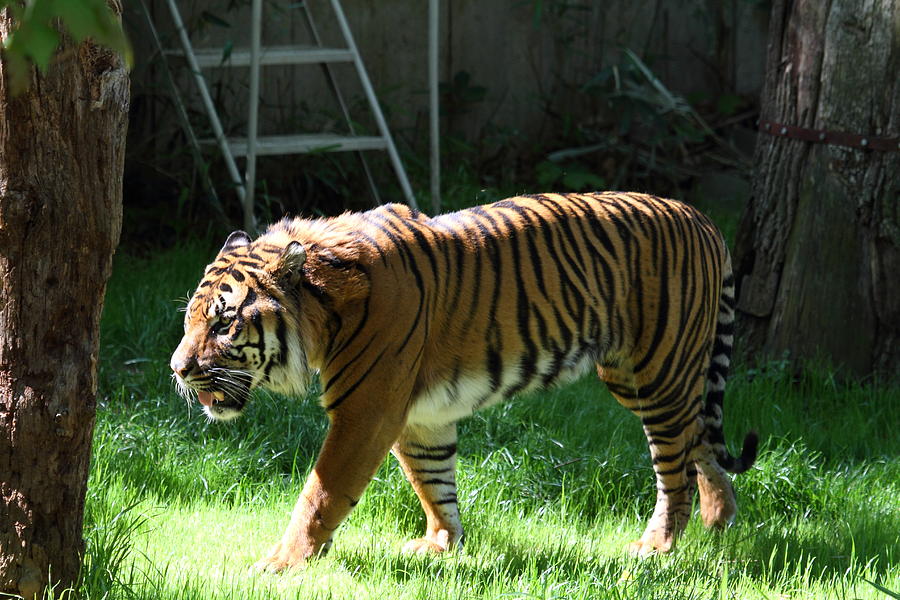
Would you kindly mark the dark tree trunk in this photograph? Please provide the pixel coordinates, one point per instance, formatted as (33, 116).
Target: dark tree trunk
(818, 249)
(61, 156)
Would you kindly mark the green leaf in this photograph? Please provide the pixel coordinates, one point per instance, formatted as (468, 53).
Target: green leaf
(80, 20)
(227, 49)
(578, 179)
(36, 39)
(727, 104)
(573, 176)
(93, 19)
(538, 14)
(548, 173)
(883, 589)
(214, 19)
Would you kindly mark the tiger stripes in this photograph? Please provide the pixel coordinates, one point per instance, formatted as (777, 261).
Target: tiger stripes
(413, 323)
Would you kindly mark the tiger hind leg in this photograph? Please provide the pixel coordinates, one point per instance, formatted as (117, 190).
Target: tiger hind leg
(428, 458)
(718, 506)
(676, 479)
(713, 464)
(673, 426)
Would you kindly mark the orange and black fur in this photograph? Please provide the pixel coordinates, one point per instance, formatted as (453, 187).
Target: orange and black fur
(413, 323)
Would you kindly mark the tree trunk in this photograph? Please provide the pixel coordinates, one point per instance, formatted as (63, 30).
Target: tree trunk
(62, 148)
(818, 249)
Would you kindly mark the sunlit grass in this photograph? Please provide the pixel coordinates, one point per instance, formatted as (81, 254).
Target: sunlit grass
(552, 487)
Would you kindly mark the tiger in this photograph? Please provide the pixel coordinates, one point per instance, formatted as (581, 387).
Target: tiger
(412, 323)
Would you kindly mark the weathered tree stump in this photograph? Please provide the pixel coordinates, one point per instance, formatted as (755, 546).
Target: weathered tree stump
(62, 147)
(818, 249)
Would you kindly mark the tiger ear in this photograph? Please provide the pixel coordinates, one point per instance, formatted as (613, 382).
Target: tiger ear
(290, 262)
(235, 240)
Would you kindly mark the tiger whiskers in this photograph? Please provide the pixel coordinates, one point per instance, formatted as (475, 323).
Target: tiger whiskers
(183, 389)
(233, 394)
(184, 301)
(233, 383)
(226, 375)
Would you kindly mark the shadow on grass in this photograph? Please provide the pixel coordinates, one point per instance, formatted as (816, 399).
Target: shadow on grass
(157, 449)
(826, 552)
(522, 571)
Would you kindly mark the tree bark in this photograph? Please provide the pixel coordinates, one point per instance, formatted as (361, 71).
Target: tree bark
(62, 148)
(818, 249)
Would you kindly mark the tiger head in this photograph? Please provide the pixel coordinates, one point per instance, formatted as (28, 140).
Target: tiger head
(241, 327)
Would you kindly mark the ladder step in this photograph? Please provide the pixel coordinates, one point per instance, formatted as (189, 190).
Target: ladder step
(274, 145)
(270, 55)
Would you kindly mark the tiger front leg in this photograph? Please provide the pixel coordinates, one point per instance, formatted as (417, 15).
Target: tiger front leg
(309, 533)
(354, 448)
(428, 458)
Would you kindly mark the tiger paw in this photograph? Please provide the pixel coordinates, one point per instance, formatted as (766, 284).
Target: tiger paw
(650, 545)
(436, 542)
(422, 546)
(278, 561)
(274, 564)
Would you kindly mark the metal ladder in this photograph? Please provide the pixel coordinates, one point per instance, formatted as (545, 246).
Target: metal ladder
(254, 145)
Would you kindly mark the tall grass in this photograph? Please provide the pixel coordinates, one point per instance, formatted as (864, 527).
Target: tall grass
(552, 487)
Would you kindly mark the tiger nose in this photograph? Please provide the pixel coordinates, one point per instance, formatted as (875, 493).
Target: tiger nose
(183, 366)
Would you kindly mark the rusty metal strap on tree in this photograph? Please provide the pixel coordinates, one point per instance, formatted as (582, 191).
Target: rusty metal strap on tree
(834, 138)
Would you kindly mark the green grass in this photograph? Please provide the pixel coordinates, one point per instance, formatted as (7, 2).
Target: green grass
(552, 487)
